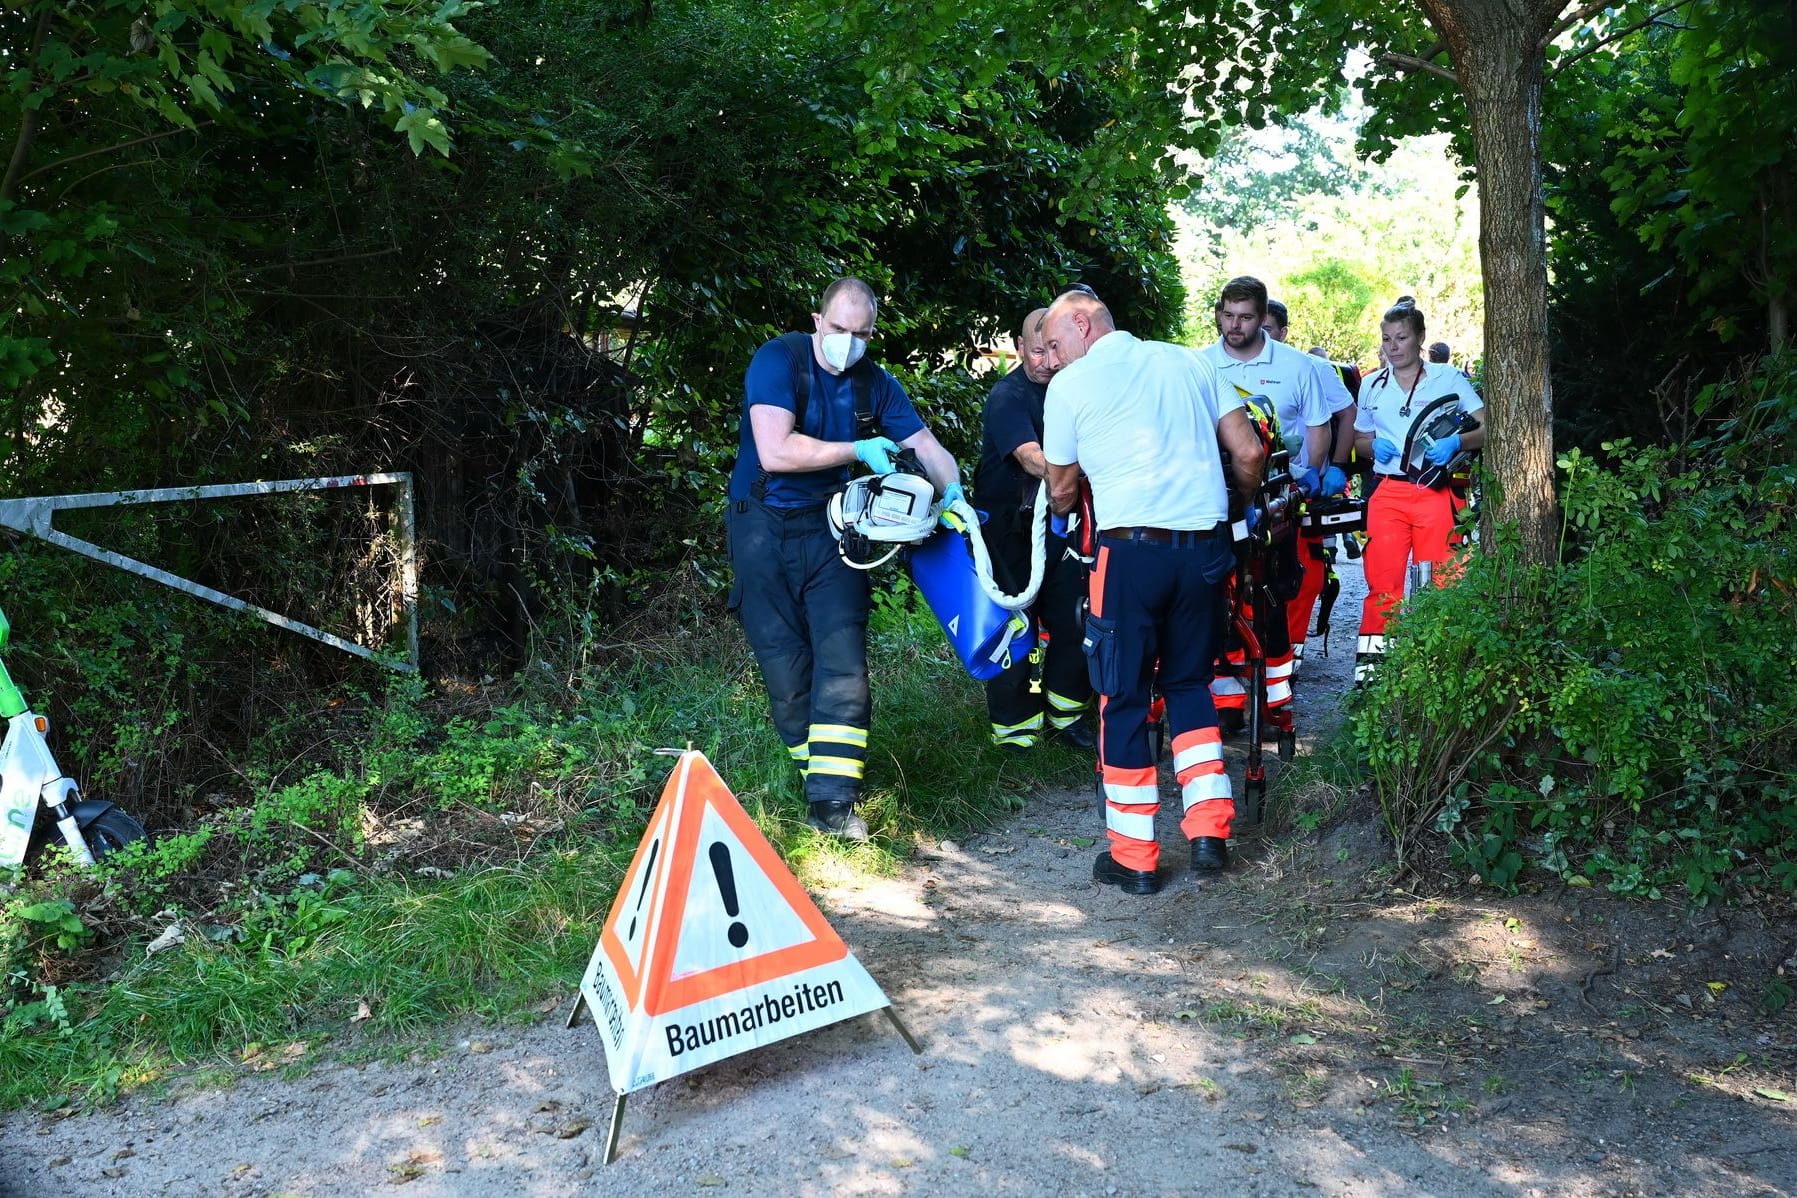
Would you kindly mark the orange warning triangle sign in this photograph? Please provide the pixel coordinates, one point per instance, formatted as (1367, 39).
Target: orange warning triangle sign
(714, 852)
(712, 947)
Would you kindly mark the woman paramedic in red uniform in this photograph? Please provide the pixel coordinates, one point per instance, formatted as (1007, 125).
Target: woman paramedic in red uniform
(1404, 519)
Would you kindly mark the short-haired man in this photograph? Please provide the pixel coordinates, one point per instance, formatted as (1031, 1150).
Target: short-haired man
(1278, 322)
(813, 405)
(1307, 404)
(1010, 473)
(1439, 353)
(1143, 420)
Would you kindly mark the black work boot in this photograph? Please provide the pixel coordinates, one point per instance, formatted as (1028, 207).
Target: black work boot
(836, 817)
(1210, 855)
(1078, 735)
(1131, 881)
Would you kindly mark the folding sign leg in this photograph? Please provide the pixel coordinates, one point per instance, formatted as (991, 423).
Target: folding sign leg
(617, 1125)
(904, 1031)
(574, 1011)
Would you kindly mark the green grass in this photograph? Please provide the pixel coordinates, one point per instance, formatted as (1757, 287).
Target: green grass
(1313, 791)
(290, 957)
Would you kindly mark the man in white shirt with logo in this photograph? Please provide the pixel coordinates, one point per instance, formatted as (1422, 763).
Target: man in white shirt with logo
(1143, 420)
(1254, 363)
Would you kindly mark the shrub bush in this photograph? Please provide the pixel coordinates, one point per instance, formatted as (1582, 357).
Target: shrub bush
(1625, 716)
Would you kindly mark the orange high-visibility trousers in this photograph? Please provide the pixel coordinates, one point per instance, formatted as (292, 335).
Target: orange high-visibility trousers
(1154, 620)
(1229, 691)
(1299, 610)
(1403, 522)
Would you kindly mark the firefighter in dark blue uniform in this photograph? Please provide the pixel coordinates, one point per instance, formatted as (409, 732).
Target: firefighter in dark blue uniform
(1023, 702)
(803, 609)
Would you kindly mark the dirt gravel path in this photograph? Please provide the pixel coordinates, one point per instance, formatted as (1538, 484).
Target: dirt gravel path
(1298, 1027)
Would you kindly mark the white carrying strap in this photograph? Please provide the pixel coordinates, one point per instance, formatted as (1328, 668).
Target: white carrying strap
(966, 521)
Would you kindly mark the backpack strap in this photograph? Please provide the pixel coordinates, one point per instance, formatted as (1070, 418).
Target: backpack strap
(861, 378)
(798, 353)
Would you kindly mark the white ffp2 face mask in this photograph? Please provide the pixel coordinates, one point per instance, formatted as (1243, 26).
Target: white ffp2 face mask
(842, 350)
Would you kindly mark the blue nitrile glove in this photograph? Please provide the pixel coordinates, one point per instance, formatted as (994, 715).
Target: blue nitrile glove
(1335, 482)
(877, 453)
(1057, 524)
(1442, 450)
(951, 496)
(1383, 450)
(1307, 481)
(1253, 518)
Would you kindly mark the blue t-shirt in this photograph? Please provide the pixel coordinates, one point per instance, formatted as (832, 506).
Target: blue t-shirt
(829, 416)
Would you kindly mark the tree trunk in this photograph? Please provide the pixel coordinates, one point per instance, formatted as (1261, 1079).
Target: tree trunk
(1496, 50)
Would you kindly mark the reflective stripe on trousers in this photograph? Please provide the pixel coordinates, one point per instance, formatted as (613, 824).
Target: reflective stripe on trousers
(1368, 653)
(1131, 801)
(1203, 784)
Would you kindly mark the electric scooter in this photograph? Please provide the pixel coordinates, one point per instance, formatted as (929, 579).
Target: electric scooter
(31, 782)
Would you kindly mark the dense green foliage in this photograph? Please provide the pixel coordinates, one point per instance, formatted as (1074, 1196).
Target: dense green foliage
(1671, 248)
(548, 327)
(1337, 237)
(1626, 716)
(525, 252)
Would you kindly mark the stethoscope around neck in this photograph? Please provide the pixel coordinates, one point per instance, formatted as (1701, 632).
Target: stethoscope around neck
(1410, 396)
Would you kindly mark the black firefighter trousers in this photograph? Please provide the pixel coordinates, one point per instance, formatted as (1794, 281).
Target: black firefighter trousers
(804, 612)
(1019, 712)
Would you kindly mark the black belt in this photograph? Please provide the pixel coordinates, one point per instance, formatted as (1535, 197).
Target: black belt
(1161, 536)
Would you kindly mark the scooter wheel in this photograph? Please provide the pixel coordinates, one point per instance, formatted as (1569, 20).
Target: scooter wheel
(113, 830)
(1288, 745)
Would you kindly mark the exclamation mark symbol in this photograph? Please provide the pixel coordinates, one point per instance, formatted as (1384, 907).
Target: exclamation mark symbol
(720, 865)
(648, 873)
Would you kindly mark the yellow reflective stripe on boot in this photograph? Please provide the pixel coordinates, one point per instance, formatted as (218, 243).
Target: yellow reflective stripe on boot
(842, 734)
(1021, 733)
(840, 767)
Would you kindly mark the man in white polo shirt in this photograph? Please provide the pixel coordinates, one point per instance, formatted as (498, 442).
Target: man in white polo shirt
(1143, 420)
(1314, 411)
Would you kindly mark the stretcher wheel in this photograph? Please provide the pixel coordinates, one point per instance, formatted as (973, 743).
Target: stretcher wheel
(1254, 801)
(1288, 744)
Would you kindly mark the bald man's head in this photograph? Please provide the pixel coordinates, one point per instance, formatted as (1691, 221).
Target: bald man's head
(1031, 349)
(1074, 321)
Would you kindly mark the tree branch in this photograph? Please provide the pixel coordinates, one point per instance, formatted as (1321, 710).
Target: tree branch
(123, 145)
(21, 149)
(1577, 16)
(1619, 34)
(1406, 62)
